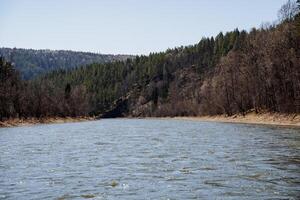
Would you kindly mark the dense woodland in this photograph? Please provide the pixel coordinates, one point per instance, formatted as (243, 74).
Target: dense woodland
(231, 73)
(31, 63)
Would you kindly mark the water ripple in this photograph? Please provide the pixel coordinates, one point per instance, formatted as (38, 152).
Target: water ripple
(149, 159)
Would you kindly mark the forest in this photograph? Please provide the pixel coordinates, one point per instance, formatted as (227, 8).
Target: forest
(32, 63)
(234, 72)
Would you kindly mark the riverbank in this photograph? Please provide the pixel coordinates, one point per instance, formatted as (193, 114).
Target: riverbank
(252, 118)
(47, 120)
(249, 118)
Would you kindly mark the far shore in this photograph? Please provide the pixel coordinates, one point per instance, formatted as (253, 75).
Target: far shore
(252, 118)
(278, 119)
(47, 120)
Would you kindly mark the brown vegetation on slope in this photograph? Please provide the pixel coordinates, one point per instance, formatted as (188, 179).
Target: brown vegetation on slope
(228, 74)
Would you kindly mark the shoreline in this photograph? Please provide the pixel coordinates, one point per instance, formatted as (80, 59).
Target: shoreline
(16, 122)
(276, 119)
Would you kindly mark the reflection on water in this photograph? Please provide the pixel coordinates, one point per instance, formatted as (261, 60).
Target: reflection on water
(149, 159)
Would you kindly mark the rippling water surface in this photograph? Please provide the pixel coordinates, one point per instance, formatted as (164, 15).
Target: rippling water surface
(149, 159)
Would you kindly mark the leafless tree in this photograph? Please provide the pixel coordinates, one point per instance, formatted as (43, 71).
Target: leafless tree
(288, 11)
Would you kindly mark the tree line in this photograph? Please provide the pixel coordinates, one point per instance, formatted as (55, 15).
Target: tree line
(32, 63)
(263, 75)
(23, 99)
(231, 73)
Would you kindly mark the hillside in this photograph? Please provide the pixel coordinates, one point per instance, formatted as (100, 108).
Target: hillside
(232, 73)
(32, 63)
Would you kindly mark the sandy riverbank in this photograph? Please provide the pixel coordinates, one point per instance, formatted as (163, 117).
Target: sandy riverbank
(51, 120)
(252, 118)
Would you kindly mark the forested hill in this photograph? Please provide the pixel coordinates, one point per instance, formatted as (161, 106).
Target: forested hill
(31, 62)
(234, 72)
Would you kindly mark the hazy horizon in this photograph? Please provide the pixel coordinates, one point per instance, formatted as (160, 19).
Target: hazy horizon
(125, 27)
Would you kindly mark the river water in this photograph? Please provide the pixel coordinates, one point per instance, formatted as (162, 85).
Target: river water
(149, 159)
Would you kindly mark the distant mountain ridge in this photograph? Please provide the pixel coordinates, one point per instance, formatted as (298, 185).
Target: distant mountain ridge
(31, 63)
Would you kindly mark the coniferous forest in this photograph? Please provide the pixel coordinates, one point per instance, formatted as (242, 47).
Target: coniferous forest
(32, 63)
(233, 72)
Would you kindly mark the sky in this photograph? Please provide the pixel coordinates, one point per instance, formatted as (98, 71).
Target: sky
(125, 26)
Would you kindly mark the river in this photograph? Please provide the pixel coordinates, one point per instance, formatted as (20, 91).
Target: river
(149, 159)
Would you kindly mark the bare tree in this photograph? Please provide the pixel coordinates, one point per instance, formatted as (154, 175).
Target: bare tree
(288, 11)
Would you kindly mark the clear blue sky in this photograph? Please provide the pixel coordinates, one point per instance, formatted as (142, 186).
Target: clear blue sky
(125, 26)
